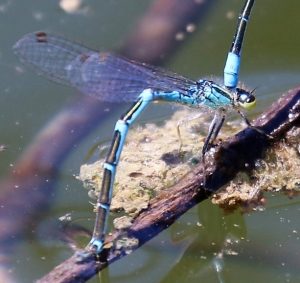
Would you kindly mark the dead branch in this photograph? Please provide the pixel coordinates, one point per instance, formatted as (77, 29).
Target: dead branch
(236, 154)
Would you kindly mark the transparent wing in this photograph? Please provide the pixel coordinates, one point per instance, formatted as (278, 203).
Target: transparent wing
(103, 75)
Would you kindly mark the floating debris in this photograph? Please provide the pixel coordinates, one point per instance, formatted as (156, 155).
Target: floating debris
(70, 6)
(127, 244)
(3, 147)
(122, 222)
(278, 171)
(151, 162)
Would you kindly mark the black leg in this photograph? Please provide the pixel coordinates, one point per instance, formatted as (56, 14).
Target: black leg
(214, 130)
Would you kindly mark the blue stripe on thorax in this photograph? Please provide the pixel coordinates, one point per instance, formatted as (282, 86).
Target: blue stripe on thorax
(203, 93)
(215, 96)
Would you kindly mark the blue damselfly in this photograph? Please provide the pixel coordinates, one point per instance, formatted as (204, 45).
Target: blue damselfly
(112, 78)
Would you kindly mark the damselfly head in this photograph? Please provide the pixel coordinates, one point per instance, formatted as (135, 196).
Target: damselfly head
(245, 98)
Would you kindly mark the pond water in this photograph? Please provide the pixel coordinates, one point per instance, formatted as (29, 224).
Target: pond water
(260, 246)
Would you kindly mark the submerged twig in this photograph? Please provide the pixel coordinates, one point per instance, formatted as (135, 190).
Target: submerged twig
(159, 28)
(236, 154)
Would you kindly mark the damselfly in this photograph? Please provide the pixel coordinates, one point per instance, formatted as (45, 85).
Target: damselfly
(111, 78)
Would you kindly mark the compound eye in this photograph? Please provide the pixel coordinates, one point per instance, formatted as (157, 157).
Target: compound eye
(245, 99)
